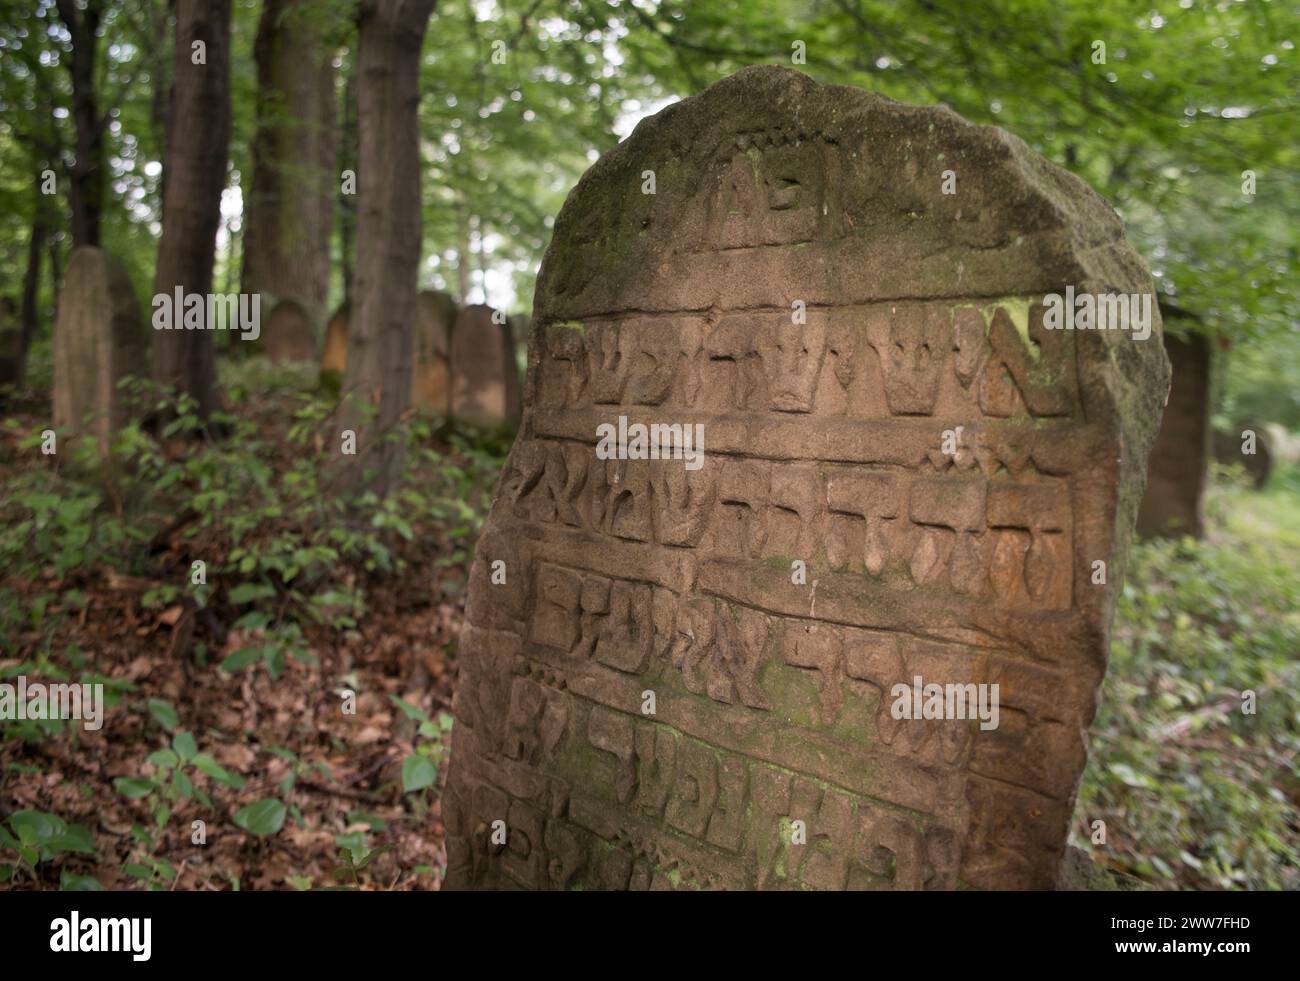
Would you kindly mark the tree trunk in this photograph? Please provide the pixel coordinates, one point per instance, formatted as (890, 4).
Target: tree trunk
(348, 161)
(40, 242)
(56, 271)
(32, 281)
(86, 177)
(291, 199)
(197, 147)
(377, 386)
(160, 68)
(13, 362)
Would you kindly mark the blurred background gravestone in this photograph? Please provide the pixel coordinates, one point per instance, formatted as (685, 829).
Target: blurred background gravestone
(485, 387)
(431, 383)
(288, 333)
(1180, 459)
(100, 338)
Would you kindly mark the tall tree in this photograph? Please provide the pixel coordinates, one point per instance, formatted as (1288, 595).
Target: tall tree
(86, 175)
(44, 150)
(161, 16)
(290, 204)
(378, 379)
(42, 222)
(197, 145)
(348, 161)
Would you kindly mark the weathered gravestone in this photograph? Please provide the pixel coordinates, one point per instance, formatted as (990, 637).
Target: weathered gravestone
(100, 338)
(1249, 445)
(289, 333)
(430, 361)
(334, 360)
(651, 695)
(1180, 458)
(435, 313)
(485, 385)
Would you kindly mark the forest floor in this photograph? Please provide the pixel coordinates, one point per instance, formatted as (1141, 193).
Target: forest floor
(229, 701)
(357, 788)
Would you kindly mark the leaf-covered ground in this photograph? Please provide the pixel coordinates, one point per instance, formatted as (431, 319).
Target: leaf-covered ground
(231, 700)
(298, 785)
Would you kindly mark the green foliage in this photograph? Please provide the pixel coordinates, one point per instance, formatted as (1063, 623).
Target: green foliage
(281, 546)
(263, 817)
(289, 565)
(1262, 383)
(35, 837)
(64, 667)
(1193, 789)
(420, 770)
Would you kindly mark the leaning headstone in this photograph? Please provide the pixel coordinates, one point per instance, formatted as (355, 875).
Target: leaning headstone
(431, 381)
(334, 360)
(1180, 459)
(100, 337)
(289, 333)
(485, 387)
(749, 669)
(1248, 445)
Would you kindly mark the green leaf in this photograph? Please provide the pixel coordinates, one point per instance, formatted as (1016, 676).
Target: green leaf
(164, 713)
(370, 855)
(36, 826)
(412, 711)
(253, 620)
(353, 841)
(241, 658)
(263, 817)
(134, 787)
(248, 592)
(206, 764)
(185, 746)
(163, 758)
(418, 772)
(69, 882)
(77, 838)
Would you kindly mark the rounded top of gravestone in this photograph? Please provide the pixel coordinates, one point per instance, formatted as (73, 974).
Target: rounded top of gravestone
(771, 190)
(439, 303)
(769, 187)
(436, 312)
(289, 333)
(479, 317)
(289, 308)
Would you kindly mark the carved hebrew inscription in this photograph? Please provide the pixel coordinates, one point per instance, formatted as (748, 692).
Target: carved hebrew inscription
(689, 678)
